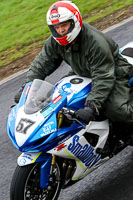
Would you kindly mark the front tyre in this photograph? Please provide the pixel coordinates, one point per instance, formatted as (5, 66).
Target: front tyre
(25, 184)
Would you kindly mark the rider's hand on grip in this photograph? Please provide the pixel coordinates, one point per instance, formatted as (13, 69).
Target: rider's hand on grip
(86, 114)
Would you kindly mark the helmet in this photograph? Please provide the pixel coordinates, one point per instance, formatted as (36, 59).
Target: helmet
(60, 12)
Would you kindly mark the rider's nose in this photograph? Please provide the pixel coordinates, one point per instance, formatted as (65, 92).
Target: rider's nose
(62, 30)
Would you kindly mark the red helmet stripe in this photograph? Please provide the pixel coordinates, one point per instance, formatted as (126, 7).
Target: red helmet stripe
(55, 21)
(63, 40)
(54, 11)
(69, 7)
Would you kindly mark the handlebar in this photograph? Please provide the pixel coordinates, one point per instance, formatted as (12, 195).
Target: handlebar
(67, 111)
(70, 114)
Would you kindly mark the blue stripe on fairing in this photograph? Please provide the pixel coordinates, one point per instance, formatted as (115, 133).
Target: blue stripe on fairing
(52, 141)
(11, 125)
(81, 95)
(23, 96)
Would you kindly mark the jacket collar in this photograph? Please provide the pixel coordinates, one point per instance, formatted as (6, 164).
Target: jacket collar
(76, 46)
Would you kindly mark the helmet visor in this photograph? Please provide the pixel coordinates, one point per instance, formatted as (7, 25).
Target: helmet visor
(57, 35)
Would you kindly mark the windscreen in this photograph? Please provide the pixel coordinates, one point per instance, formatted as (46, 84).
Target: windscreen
(39, 96)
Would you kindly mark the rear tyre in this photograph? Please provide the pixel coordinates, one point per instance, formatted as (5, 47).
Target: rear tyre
(25, 184)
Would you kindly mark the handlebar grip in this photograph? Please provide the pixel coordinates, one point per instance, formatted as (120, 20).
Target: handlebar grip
(68, 111)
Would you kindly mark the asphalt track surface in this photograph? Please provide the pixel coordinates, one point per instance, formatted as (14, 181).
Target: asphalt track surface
(111, 181)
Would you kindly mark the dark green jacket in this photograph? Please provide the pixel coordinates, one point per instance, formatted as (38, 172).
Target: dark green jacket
(93, 55)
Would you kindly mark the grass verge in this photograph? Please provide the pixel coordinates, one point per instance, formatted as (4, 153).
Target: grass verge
(23, 23)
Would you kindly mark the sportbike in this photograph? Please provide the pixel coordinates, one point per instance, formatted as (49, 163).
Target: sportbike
(58, 149)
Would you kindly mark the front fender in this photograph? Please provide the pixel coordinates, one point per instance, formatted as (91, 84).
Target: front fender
(29, 158)
(45, 164)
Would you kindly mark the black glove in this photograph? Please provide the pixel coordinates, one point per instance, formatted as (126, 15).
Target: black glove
(86, 114)
(18, 95)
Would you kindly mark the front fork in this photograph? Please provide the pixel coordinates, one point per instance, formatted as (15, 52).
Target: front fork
(46, 171)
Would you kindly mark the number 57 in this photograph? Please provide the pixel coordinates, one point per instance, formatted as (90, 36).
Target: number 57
(23, 125)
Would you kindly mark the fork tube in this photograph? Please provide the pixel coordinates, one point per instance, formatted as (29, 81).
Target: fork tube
(53, 159)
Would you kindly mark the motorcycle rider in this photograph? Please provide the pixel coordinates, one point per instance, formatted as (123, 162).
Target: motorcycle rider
(90, 53)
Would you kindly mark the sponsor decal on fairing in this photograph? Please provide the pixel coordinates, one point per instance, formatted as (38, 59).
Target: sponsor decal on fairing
(55, 101)
(61, 146)
(84, 153)
(27, 90)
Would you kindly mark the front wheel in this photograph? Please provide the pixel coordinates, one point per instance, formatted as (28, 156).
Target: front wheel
(25, 184)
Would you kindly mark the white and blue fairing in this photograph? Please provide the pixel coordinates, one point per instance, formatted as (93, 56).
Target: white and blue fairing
(127, 46)
(127, 52)
(35, 115)
(76, 89)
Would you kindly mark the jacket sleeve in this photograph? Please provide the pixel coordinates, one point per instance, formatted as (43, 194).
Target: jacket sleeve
(45, 63)
(102, 70)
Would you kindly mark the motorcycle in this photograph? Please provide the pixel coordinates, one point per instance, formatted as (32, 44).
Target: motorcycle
(57, 149)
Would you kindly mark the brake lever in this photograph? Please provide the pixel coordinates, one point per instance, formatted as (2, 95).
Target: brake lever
(69, 114)
(74, 119)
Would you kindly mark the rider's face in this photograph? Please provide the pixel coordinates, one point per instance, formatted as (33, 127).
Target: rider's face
(62, 28)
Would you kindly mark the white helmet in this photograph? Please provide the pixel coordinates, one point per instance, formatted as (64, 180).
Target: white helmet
(63, 11)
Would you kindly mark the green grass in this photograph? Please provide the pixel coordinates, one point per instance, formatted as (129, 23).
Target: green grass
(23, 22)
